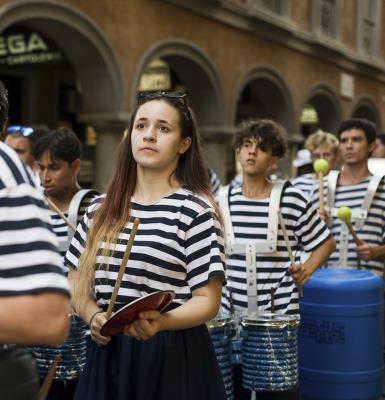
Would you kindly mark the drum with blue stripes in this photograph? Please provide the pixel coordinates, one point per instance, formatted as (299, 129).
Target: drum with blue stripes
(73, 353)
(269, 352)
(221, 330)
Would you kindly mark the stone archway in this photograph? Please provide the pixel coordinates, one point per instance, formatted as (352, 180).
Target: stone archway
(365, 108)
(93, 60)
(263, 93)
(202, 81)
(327, 106)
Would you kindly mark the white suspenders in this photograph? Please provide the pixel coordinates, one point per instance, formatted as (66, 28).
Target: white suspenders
(358, 215)
(252, 249)
(73, 212)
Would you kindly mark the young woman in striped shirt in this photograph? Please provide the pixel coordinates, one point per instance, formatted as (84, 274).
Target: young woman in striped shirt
(161, 179)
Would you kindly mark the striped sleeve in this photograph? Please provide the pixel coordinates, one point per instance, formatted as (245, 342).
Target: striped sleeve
(204, 249)
(13, 171)
(29, 258)
(310, 230)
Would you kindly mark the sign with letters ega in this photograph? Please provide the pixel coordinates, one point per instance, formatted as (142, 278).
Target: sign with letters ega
(26, 47)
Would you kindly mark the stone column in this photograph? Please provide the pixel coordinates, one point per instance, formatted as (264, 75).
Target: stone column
(109, 133)
(217, 143)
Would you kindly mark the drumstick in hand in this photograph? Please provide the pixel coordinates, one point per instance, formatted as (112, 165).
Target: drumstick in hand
(321, 167)
(286, 237)
(345, 214)
(122, 268)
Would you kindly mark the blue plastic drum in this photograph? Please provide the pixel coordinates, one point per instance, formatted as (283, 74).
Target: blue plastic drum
(269, 352)
(341, 335)
(222, 330)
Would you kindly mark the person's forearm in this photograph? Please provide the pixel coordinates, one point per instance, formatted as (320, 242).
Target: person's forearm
(34, 319)
(88, 310)
(319, 256)
(196, 311)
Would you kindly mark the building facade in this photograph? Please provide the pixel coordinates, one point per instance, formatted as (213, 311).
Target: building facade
(304, 63)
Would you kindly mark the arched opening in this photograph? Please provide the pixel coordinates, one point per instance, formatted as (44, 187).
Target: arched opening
(264, 94)
(366, 109)
(179, 65)
(83, 85)
(321, 110)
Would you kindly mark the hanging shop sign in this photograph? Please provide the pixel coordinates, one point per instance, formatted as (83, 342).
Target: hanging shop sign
(156, 76)
(23, 46)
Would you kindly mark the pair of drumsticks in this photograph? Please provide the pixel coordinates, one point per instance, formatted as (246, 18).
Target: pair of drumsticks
(44, 389)
(321, 167)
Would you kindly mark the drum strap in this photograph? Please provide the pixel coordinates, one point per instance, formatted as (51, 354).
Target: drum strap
(358, 215)
(250, 250)
(270, 245)
(73, 209)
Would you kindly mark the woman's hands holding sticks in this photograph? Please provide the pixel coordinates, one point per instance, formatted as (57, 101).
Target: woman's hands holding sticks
(146, 326)
(97, 321)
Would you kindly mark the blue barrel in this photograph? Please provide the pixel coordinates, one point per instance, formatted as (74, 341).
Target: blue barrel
(341, 334)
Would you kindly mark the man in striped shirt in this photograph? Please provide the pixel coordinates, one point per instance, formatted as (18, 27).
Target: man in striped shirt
(357, 140)
(321, 144)
(33, 288)
(58, 158)
(260, 144)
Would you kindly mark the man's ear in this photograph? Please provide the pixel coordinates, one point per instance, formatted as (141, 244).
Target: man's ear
(75, 166)
(371, 147)
(273, 163)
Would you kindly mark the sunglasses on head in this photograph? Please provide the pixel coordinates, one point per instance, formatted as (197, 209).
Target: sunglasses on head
(182, 96)
(20, 130)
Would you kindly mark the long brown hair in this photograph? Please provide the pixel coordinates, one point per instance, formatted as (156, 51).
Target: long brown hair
(113, 214)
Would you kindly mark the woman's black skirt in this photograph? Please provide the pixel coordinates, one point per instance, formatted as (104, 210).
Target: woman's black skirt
(172, 365)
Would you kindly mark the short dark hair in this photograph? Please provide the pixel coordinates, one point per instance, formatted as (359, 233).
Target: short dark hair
(359, 123)
(4, 106)
(381, 138)
(270, 134)
(62, 144)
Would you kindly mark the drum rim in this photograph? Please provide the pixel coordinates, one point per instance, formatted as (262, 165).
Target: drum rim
(220, 321)
(270, 320)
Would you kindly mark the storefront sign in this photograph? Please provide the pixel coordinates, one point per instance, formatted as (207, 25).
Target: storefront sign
(156, 76)
(20, 48)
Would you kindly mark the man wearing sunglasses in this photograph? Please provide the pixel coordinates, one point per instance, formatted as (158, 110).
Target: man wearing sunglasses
(22, 139)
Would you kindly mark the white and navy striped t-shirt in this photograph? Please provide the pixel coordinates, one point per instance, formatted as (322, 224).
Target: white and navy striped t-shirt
(249, 218)
(373, 231)
(29, 258)
(178, 246)
(304, 183)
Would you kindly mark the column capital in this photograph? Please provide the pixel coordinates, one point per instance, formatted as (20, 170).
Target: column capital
(217, 132)
(105, 121)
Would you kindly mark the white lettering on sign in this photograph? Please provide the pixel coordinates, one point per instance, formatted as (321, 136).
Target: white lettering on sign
(20, 44)
(35, 43)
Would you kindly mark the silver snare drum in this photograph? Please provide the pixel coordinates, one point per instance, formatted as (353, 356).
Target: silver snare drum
(221, 330)
(269, 352)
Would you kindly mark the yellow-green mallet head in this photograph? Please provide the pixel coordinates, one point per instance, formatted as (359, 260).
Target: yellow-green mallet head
(321, 165)
(344, 214)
